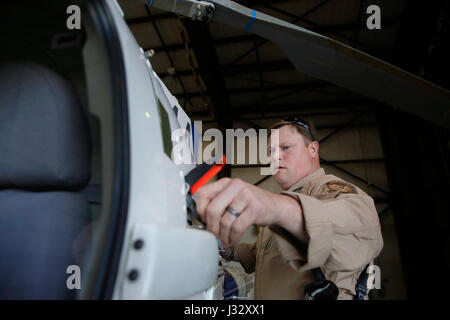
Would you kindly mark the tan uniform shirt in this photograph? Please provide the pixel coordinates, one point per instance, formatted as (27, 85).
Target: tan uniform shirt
(344, 236)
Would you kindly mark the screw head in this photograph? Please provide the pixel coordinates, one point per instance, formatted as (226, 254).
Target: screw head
(138, 244)
(133, 275)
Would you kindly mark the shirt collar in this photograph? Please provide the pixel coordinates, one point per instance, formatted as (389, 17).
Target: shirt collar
(301, 183)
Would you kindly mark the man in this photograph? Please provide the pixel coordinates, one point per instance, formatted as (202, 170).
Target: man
(318, 220)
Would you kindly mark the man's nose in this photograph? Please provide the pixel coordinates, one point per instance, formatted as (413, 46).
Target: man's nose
(280, 155)
(275, 155)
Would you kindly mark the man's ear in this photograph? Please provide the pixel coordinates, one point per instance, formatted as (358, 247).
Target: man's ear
(314, 149)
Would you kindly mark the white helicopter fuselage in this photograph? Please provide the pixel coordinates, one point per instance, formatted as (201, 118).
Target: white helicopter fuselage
(175, 261)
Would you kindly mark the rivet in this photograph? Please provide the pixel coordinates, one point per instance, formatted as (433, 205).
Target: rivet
(138, 244)
(133, 275)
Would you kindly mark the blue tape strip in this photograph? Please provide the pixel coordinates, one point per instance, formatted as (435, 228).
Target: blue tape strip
(250, 23)
(150, 3)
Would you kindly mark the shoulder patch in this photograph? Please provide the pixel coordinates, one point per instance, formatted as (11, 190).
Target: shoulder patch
(341, 187)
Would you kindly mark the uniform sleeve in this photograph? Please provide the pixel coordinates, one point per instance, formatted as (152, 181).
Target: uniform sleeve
(245, 254)
(343, 228)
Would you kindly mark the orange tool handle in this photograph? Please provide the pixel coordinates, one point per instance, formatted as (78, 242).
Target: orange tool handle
(208, 175)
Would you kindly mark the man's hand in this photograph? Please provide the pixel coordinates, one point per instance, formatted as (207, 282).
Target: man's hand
(255, 205)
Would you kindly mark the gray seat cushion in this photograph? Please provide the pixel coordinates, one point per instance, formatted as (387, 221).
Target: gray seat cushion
(44, 137)
(37, 242)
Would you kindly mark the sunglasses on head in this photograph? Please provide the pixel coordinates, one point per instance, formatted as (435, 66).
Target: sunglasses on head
(299, 121)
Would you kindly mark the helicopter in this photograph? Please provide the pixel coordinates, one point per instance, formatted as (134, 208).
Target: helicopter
(88, 176)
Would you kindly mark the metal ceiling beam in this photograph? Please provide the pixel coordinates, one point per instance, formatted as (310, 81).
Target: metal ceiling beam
(297, 107)
(374, 160)
(353, 126)
(345, 126)
(155, 17)
(325, 127)
(323, 161)
(294, 107)
(264, 66)
(328, 127)
(262, 180)
(230, 70)
(309, 113)
(295, 87)
(281, 87)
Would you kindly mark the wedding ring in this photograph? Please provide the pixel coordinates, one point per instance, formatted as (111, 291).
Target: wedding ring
(233, 212)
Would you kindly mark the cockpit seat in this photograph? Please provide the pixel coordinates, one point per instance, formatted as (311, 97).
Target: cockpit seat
(44, 163)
